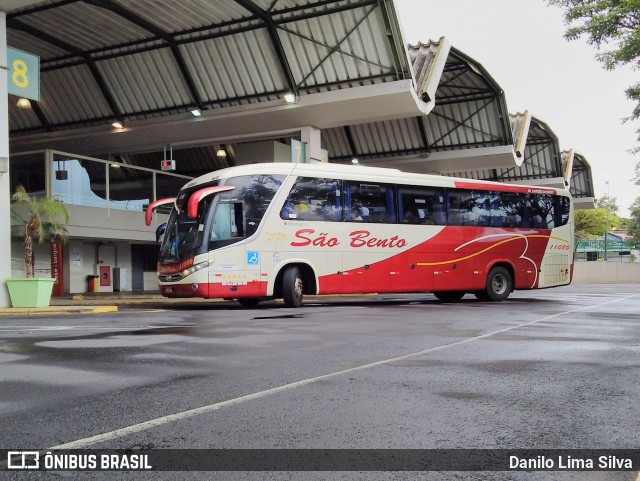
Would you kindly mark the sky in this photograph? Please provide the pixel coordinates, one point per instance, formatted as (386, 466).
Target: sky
(521, 44)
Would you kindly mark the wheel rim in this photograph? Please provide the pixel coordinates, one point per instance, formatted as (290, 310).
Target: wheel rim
(297, 287)
(499, 284)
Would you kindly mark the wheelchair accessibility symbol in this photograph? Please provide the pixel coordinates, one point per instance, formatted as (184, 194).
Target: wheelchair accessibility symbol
(253, 258)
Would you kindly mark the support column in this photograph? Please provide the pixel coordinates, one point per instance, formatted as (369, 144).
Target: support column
(5, 216)
(313, 148)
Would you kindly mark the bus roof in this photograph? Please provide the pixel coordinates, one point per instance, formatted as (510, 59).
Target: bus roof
(361, 172)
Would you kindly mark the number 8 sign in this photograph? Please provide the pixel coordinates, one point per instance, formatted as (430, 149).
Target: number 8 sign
(24, 74)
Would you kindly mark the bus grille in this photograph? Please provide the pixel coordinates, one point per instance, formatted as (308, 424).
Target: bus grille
(170, 278)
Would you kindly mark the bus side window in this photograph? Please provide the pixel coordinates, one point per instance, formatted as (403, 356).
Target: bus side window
(368, 202)
(420, 205)
(453, 208)
(228, 222)
(439, 217)
(561, 210)
(481, 208)
(497, 211)
(506, 210)
(460, 208)
(542, 211)
(314, 199)
(526, 210)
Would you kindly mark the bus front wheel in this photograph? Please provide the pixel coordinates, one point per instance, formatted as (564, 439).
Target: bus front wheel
(449, 296)
(499, 285)
(292, 287)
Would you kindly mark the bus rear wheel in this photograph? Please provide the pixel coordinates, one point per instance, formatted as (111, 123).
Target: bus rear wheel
(499, 285)
(292, 287)
(449, 296)
(249, 302)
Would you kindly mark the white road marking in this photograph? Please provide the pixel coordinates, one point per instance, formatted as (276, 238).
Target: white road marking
(136, 428)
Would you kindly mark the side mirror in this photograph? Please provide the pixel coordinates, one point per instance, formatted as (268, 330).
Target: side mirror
(160, 231)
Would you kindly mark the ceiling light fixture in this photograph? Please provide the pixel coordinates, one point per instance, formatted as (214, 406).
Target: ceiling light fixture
(24, 103)
(290, 98)
(118, 124)
(221, 152)
(196, 112)
(355, 161)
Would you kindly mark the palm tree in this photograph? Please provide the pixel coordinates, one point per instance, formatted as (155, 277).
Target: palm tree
(45, 217)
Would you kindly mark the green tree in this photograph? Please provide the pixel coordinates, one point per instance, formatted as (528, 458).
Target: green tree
(593, 222)
(626, 223)
(607, 202)
(635, 225)
(611, 23)
(45, 218)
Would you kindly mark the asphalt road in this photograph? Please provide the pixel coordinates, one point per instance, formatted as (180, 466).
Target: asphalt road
(550, 369)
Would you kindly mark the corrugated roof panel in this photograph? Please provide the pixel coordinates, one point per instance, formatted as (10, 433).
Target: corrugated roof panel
(453, 85)
(337, 47)
(85, 26)
(520, 124)
(387, 138)
(581, 178)
(273, 6)
(21, 118)
(71, 94)
(462, 124)
(145, 81)
(29, 6)
(422, 57)
(28, 43)
(336, 142)
(517, 121)
(180, 15)
(542, 158)
(234, 66)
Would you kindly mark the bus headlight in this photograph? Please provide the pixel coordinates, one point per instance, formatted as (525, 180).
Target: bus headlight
(196, 268)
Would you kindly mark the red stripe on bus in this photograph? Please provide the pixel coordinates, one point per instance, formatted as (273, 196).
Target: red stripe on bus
(505, 188)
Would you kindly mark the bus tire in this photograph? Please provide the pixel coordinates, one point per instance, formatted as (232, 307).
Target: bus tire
(292, 287)
(499, 284)
(449, 296)
(249, 302)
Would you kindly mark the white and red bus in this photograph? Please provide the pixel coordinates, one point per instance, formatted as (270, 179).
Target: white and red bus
(281, 230)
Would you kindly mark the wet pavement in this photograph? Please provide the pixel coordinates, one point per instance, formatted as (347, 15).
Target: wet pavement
(553, 368)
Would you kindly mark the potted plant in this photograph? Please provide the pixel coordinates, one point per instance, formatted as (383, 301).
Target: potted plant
(42, 218)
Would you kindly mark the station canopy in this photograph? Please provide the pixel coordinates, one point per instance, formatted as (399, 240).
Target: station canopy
(424, 108)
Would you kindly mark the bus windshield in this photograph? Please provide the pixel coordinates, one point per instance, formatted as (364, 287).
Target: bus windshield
(222, 219)
(183, 236)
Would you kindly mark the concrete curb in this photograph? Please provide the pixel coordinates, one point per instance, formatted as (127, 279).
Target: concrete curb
(56, 310)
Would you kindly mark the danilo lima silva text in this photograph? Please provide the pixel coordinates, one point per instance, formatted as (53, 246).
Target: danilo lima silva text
(568, 462)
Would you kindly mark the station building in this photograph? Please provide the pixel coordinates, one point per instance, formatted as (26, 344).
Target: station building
(126, 85)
